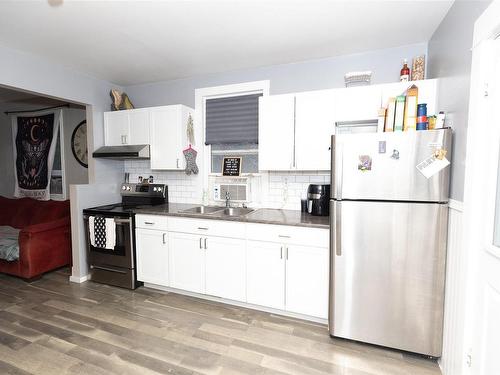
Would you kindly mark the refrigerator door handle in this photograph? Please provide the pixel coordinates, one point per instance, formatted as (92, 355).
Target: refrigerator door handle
(338, 228)
(339, 169)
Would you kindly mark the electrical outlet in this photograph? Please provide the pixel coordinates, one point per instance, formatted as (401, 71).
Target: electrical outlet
(216, 192)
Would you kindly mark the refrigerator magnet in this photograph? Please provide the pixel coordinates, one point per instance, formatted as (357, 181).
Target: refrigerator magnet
(365, 163)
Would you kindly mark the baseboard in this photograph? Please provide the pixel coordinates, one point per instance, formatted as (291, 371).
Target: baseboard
(78, 280)
(456, 205)
(239, 304)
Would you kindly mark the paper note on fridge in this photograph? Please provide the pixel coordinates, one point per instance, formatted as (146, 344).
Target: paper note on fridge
(432, 165)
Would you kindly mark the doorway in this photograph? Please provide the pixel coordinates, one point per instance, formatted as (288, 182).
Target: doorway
(70, 162)
(482, 209)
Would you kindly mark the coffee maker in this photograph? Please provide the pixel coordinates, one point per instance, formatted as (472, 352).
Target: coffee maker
(318, 200)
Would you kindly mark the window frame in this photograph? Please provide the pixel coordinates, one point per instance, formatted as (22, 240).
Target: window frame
(202, 95)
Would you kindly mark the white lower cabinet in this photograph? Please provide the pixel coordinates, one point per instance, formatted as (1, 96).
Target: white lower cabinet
(187, 262)
(288, 277)
(307, 270)
(280, 267)
(225, 268)
(265, 274)
(152, 256)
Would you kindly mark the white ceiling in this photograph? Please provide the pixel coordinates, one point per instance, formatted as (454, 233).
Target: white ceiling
(144, 41)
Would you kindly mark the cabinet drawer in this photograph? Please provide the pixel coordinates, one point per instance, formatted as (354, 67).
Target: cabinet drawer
(219, 228)
(151, 222)
(288, 234)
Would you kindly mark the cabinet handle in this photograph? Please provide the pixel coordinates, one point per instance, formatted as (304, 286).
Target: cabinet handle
(283, 236)
(286, 248)
(200, 244)
(177, 163)
(206, 243)
(163, 238)
(203, 228)
(149, 223)
(281, 252)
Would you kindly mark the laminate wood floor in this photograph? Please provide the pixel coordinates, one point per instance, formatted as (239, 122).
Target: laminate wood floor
(55, 327)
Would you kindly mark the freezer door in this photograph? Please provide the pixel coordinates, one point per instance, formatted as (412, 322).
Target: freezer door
(388, 273)
(382, 166)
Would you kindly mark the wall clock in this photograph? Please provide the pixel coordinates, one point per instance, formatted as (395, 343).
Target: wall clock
(79, 144)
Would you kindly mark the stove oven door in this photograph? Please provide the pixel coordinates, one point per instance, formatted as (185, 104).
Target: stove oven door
(122, 256)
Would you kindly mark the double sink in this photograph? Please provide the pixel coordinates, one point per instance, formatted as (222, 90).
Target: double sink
(218, 211)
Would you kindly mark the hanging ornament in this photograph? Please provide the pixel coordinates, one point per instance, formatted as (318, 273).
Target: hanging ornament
(190, 130)
(190, 155)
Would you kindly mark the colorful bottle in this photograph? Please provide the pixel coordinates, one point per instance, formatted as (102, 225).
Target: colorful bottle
(405, 72)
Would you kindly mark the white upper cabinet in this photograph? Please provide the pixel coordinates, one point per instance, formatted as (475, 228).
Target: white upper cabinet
(116, 129)
(168, 136)
(139, 120)
(163, 128)
(295, 129)
(130, 127)
(358, 103)
(276, 132)
(314, 124)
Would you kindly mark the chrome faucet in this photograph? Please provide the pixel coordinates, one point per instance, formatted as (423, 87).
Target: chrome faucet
(228, 199)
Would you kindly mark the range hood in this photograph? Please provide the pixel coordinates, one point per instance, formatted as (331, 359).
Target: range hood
(122, 152)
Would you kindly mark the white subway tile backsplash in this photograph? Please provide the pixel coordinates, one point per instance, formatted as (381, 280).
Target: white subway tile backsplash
(270, 189)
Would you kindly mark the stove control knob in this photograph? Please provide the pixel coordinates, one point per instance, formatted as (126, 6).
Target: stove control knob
(124, 187)
(128, 188)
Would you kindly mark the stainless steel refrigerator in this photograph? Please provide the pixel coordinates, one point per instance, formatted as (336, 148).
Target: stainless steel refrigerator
(388, 228)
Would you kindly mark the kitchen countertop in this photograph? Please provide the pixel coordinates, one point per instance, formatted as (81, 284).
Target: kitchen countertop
(261, 215)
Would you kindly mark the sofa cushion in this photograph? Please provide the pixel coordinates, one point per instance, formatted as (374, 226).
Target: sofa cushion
(9, 243)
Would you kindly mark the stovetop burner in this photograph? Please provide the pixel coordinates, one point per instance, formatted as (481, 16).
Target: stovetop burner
(133, 196)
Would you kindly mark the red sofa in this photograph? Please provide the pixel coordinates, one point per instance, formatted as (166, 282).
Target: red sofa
(44, 239)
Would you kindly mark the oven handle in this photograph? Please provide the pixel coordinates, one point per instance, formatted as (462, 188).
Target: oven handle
(108, 269)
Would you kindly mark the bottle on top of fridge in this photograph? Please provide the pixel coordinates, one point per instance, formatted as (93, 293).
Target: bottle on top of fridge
(405, 72)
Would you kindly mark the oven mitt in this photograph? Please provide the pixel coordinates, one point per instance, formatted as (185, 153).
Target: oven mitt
(190, 155)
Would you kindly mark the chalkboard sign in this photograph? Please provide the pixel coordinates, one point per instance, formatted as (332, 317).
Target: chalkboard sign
(231, 166)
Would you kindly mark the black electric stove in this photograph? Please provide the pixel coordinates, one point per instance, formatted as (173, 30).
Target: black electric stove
(117, 266)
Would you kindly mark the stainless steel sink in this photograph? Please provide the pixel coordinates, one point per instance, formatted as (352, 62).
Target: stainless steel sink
(203, 210)
(235, 211)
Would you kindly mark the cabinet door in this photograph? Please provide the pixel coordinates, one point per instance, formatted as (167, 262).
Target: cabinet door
(152, 256)
(116, 128)
(187, 262)
(166, 135)
(307, 270)
(358, 103)
(139, 126)
(225, 268)
(266, 274)
(314, 125)
(276, 132)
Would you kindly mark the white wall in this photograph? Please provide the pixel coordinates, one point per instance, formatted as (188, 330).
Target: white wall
(31, 73)
(75, 173)
(450, 61)
(303, 76)
(21, 70)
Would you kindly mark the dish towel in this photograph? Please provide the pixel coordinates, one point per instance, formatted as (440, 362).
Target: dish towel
(102, 232)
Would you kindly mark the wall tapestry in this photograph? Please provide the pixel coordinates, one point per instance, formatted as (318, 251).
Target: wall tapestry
(35, 136)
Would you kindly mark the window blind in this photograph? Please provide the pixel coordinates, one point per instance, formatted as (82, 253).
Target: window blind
(233, 119)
